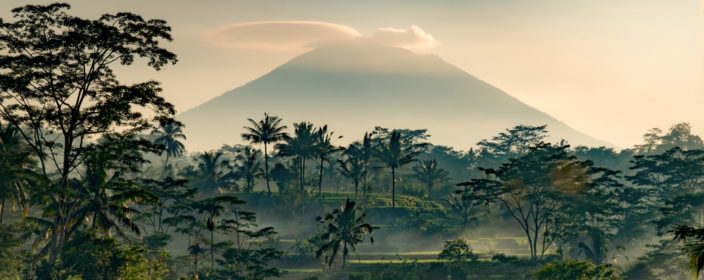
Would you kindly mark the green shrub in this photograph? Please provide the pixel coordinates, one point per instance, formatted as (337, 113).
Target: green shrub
(457, 250)
(504, 258)
(576, 270)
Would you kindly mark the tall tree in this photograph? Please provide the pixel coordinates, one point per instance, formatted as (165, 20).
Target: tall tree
(364, 152)
(353, 169)
(168, 135)
(173, 201)
(248, 166)
(324, 147)
(535, 187)
(674, 178)
(679, 135)
(210, 168)
(344, 228)
(212, 208)
(302, 146)
(106, 197)
(267, 131)
(57, 83)
(394, 154)
(513, 142)
(430, 174)
(248, 257)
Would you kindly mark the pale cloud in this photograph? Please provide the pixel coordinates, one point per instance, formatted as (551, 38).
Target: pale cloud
(301, 35)
(411, 38)
(281, 35)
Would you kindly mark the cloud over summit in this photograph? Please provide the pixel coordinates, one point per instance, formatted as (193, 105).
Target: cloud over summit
(411, 38)
(280, 35)
(302, 35)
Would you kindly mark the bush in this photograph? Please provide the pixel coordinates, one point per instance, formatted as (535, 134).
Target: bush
(576, 270)
(457, 250)
(504, 258)
(11, 257)
(89, 255)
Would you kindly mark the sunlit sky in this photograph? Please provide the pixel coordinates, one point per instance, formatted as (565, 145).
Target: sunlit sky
(611, 69)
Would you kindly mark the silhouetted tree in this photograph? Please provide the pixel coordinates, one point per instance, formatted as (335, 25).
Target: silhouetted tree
(530, 186)
(679, 135)
(674, 179)
(213, 208)
(515, 142)
(429, 174)
(248, 258)
(56, 76)
(363, 152)
(106, 198)
(353, 169)
(210, 168)
(267, 131)
(394, 154)
(249, 167)
(301, 145)
(168, 135)
(324, 147)
(173, 198)
(343, 229)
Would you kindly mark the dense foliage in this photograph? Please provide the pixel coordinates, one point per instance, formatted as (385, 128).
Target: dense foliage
(96, 183)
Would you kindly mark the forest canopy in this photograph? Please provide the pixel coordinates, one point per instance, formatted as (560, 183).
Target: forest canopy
(96, 183)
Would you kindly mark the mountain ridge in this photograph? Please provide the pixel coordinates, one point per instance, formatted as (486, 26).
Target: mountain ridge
(378, 86)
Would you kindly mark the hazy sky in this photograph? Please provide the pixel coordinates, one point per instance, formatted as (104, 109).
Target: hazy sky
(611, 69)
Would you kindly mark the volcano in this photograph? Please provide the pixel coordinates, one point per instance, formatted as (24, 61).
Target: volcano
(354, 87)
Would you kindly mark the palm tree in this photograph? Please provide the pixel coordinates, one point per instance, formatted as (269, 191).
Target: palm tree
(394, 155)
(250, 167)
(195, 250)
(364, 151)
(693, 239)
(15, 170)
(168, 136)
(106, 200)
(301, 145)
(209, 167)
(268, 130)
(344, 228)
(429, 173)
(213, 208)
(189, 225)
(323, 143)
(352, 168)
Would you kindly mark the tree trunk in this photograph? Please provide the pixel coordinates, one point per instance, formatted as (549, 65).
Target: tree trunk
(364, 183)
(195, 264)
(212, 256)
(57, 243)
(266, 169)
(344, 256)
(356, 187)
(2, 210)
(430, 186)
(189, 254)
(303, 190)
(303, 176)
(320, 179)
(393, 187)
(166, 165)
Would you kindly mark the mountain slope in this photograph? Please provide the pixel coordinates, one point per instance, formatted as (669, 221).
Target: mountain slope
(354, 87)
